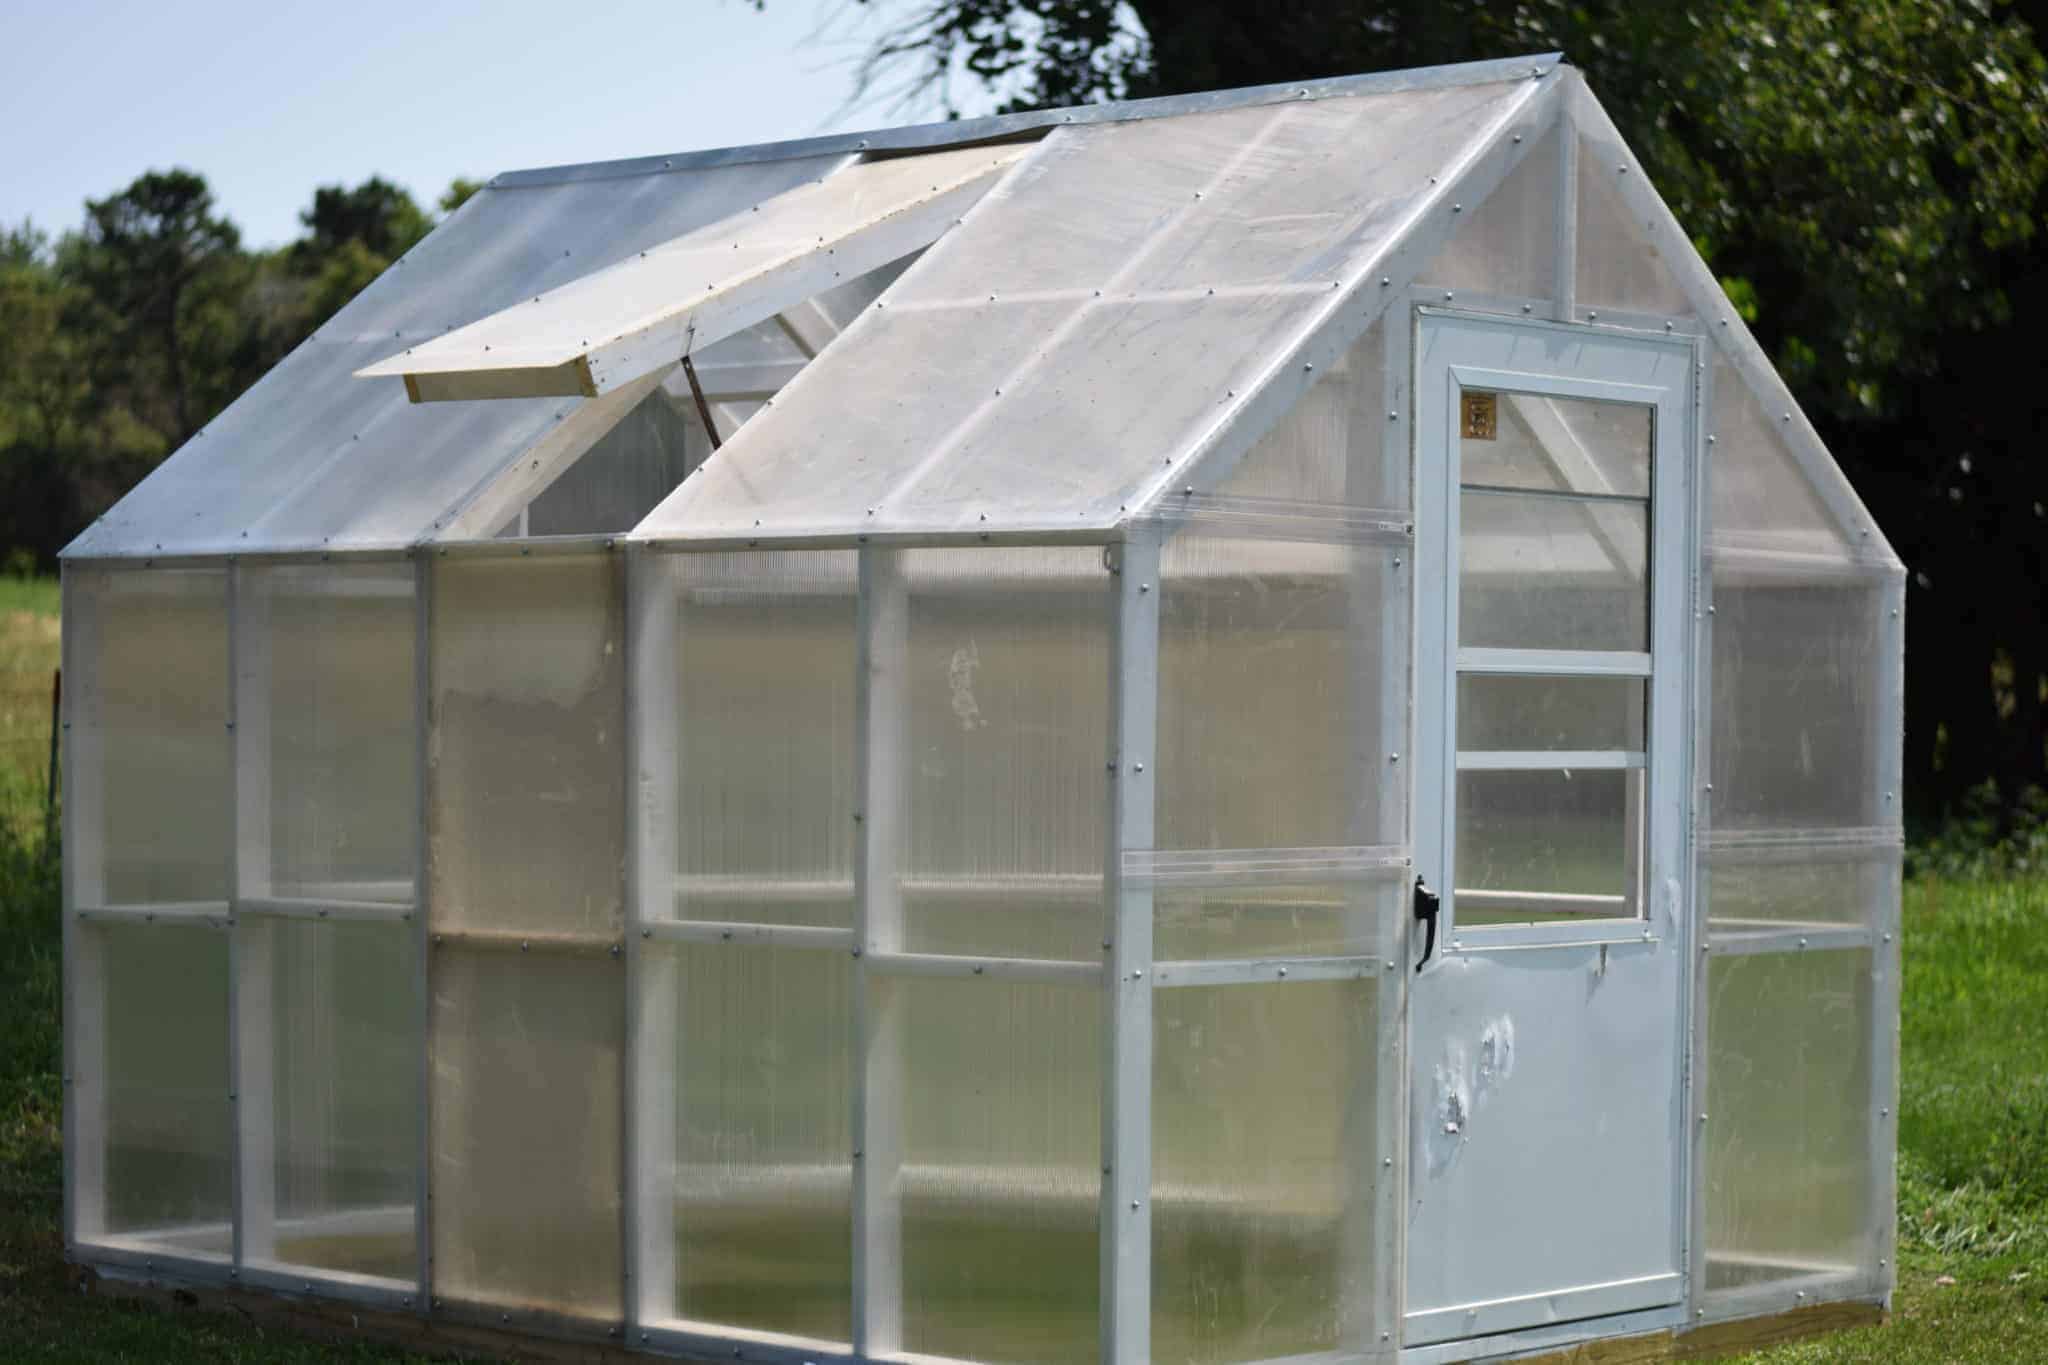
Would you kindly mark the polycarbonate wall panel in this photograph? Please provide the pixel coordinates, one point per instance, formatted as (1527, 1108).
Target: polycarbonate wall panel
(1789, 1139)
(1797, 677)
(1264, 1118)
(1330, 447)
(161, 1070)
(1272, 696)
(1276, 919)
(526, 822)
(1759, 497)
(152, 687)
(526, 1108)
(762, 1166)
(1619, 264)
(1790, 886)
(344, 1088)
(1099, 308)
(631, 468)
(1507, 244)
(327, 694)
(1007, 696)
(1001, 1134)
(765, 672)
(313, 458)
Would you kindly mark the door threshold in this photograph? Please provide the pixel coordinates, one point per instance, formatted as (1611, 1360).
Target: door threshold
(1555, 1307)
(1507, 1345)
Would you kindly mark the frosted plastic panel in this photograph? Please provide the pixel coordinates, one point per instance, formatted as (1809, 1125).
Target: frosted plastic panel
(526, 1104)
(1507, 244)
(1084, 350)
(1008, 700)
(1548, 833)
(630, 469)
(1516, 713)
(1758, 497)
(345, 1093)
(164, 1076)
(1274, 920)
(1797, 673)
(525, 763)
(765, 673)
(327, 659)
(1001, 1172)
(1565, 445)
(1263, 1122)
(1538, 572)
(1271, 659)
(156, 699)
(1788, 1144)
(313, 458)
(1799, 886)
(763, 1175)
(1329, 447)
(1619, 266)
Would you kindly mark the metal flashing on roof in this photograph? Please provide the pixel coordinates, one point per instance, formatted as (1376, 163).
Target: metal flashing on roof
(958, 132)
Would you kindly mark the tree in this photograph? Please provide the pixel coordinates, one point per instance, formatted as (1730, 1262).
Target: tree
(1868, 180)
(377, 215)
(153, 259)
(458, 193)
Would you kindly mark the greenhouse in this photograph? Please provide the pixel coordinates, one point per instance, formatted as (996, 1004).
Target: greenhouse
(1206, 730)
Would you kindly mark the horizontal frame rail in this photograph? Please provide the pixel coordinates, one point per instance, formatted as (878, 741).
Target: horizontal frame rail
(1268, 971)
(212, 914)
(1556, 663)
(1165, 869)
(297, 907)
(763, 935)
(1548, 760)
(1737, 937)
(1614, 906)
(511, 941)
(1042, 971)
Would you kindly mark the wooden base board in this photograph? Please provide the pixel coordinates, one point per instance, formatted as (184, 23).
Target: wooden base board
(330, 1320)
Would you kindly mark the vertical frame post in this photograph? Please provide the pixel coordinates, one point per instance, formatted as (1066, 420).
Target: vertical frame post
(1698, 773)
(1567, 215)
(1890, 771)
(422, 917)
(881, 744)
(1125, 1222)
(652, 727)
(252, 939)
(84, 883)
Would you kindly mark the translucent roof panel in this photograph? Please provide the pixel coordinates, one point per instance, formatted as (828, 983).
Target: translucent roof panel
(606, 329)
(1048, 363)
(312, 457)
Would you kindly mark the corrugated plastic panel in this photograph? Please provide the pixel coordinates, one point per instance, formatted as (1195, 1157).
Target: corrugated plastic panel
(1095, 317)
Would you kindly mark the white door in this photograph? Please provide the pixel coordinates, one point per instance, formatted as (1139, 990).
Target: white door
(1554, 531)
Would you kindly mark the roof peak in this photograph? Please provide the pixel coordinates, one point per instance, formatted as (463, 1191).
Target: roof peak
(921, 137)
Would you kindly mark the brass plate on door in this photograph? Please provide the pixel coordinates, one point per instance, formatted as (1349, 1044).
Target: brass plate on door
(1481, 416)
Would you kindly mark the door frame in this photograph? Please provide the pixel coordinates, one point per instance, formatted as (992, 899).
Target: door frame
(1668, 881)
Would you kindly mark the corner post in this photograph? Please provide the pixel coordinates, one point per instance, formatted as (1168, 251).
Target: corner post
(251, 941)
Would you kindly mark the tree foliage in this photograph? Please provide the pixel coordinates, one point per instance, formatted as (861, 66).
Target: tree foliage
(123, 337)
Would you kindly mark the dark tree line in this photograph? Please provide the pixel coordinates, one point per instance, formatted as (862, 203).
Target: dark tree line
(1868, 182)
(125, 335)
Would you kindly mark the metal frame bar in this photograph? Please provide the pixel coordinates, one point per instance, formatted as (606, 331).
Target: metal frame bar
(423, 921)
(653, 979)
(1550, 760)
(881, 742)
(251, 1028)
(1266, 971)
(1567, 283)
(1555, 663)
(1126, 1217)
(84, 883)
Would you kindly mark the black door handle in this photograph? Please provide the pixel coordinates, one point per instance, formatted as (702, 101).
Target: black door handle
(1427, 904)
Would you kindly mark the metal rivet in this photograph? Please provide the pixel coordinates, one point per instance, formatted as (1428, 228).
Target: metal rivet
(1134, 1205)
(1283, 971)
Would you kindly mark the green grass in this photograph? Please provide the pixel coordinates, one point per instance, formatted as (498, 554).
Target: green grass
(1973, 1198)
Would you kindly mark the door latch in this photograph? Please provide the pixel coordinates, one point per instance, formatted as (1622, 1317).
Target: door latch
(1427, 904)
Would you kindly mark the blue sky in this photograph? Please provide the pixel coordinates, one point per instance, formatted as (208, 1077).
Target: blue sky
(269, 99)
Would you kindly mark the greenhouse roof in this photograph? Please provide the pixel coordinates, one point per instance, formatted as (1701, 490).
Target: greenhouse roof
(1028, 327)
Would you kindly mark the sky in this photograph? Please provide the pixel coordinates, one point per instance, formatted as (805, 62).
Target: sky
(269, 98)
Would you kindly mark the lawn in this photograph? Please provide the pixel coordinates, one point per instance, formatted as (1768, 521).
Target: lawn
(1973, 1202)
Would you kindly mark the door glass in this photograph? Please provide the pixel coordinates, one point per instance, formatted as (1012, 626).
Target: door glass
(1553, 562)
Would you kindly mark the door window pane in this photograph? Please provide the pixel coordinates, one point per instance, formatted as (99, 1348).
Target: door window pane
(1535, 847)
(1552, 571)
(1520, 713)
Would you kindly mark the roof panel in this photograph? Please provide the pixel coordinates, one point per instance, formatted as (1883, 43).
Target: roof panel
(1047, 363)
(607, 328)
(310, 456)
